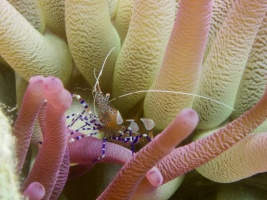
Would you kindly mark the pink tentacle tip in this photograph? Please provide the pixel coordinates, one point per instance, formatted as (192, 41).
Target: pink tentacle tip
(55, 94)
(53, 84)
(155, 177)
(36, 78)
(189, 116)
(35, 191)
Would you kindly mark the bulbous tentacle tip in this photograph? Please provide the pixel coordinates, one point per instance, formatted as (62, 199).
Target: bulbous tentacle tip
(53, 85)
(184, 123)
(36, 78)
(154, 177)
(189, 113)
(35, 191)
(56, 95)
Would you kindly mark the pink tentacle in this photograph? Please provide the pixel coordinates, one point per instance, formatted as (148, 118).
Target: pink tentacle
(35, 191)
(127, 180)
(62, 176)
(23, 128)
(87, 150)
(48, 161)
(195, 154)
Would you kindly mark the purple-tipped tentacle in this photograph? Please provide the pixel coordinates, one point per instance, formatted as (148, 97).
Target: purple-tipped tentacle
(127, 180)
(48, 161)
(195, 154)
(35, 191)
(23, 128)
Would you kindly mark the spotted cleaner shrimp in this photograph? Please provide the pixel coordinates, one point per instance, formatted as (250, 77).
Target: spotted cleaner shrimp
(109, 120)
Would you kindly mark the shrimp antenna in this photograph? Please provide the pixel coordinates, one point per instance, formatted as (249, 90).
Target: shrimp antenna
(102, 68)
(97, 82)
(99, 75)
(174, 92)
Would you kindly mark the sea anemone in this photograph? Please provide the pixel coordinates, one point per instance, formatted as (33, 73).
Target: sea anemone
(189, 66)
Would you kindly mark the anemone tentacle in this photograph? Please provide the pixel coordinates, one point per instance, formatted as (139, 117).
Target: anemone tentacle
(252, 84)
(195, 154)
(127, 180)
(184, 54)
(142, 51)
(246, 158)
(226, 61)
(91, 36)
(34, 191)
(23, 128)
(28, 51)
(50, 156)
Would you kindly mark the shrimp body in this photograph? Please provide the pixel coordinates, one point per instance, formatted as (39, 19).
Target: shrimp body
(107, 120)
(109, 117)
